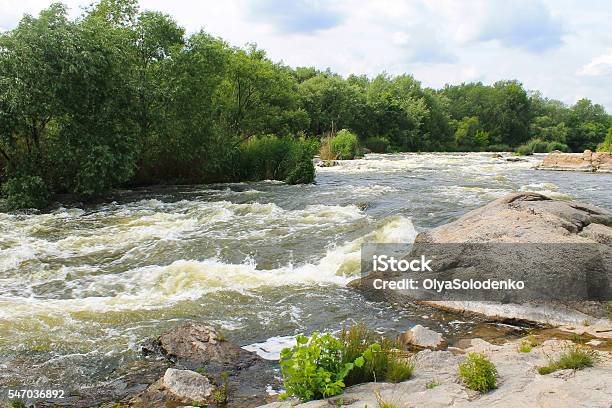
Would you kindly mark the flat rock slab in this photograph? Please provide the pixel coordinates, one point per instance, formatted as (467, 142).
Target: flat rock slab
(588, 161)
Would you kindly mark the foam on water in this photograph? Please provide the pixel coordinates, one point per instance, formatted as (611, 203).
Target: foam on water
(93, 288)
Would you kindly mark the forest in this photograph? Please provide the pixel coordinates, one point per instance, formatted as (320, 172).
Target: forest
(120, 97)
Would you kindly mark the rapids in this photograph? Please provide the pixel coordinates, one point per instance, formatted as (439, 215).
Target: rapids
(81, 288)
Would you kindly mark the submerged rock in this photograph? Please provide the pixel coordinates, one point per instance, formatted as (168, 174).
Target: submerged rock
(422, 337)
(588, 161)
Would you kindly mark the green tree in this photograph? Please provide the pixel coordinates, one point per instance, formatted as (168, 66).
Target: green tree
(469, 136)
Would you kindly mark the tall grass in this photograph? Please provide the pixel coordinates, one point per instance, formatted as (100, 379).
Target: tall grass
(390, 364)
(273, 158)
(343, 146)
(576, 357)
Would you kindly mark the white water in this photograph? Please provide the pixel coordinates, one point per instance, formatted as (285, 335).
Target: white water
(80, 288)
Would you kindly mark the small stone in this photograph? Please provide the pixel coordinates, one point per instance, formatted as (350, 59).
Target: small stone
(422, 337)
(187, 385)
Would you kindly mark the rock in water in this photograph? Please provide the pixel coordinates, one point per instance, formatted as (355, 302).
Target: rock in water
(196, 346)
(600, 162)
(526, 218)
(532, 218)
(422, 337)
(187, 385)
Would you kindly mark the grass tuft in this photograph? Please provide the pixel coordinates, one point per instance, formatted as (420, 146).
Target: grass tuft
(478, 373)
(574, 358)
(382, 403)
(399, 369)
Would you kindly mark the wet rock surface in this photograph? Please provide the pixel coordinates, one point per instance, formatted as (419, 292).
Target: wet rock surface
(201, 350)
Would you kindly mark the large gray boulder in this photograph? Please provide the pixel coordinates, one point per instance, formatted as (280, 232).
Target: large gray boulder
(532, 218)
(561, 249)
(527, 218)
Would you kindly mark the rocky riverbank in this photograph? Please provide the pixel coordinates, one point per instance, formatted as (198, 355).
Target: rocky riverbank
(588, 161)
(207, 369)
(436, 384)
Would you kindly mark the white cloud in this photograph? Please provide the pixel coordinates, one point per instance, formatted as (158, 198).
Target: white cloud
(601, 65)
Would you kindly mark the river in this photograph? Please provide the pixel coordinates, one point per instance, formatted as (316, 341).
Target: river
(80, 288)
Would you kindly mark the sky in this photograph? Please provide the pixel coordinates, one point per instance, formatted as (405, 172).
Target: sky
(562, 48)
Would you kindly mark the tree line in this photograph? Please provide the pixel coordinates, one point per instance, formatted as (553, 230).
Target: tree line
(123, 97)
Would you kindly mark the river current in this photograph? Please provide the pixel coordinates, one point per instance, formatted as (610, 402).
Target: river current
(81, 288)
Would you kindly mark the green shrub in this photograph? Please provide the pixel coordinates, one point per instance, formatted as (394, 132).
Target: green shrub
(324, 365)
(540, 146)
(314, 367)
(523, 150)
(273, 158)
(386, 365)
(432, 384)
(537, 146)
(557, 146)
(478, 373)
(345, 145)
(26, 192)
(575, 357)
(376, 144)
(606, 145)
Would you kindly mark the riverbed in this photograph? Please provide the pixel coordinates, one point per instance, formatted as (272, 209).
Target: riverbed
(81, 288)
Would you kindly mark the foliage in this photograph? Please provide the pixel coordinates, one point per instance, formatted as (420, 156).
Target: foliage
(478, 373)
(399, 369)
(432, 384)
(552, 146)
(469, 136)
(540, 146)
(26, 192)
(221, 393)
(376, 144)
(273, 158)
(388, 364)
(344, 145)
(324, 365)
(121, 97)
(575, 357)
(382, 403)
(314, 369)
(606, 145)
(524, 150)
